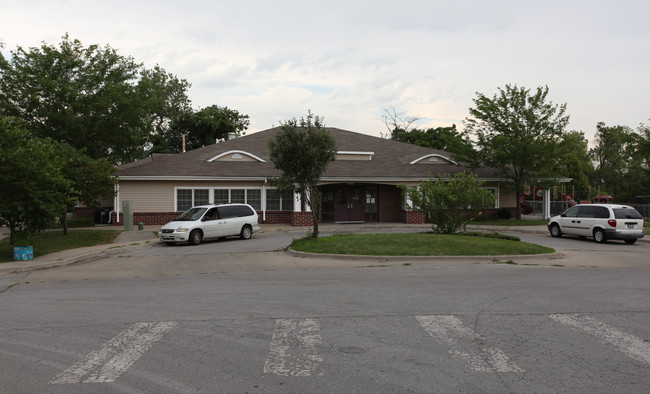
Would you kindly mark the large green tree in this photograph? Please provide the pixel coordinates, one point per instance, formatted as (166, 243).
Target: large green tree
(90, 179)
(573, 160)
(302, 150)
(201, 128)
(90, 97)
(517, 132)
(34, 187)
(619, 160)
(447, 139)
(44, 179)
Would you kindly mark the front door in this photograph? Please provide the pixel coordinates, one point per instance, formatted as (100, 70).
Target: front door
(350, 204)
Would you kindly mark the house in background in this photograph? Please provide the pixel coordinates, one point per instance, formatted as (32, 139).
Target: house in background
(361, 185)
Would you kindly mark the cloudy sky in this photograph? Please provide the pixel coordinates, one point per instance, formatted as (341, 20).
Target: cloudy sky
(348, 60)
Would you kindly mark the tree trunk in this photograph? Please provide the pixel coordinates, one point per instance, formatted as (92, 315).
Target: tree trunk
(517, 196)
(64, 222)
(314, 204)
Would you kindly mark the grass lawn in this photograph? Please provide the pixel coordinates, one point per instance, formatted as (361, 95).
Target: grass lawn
(421, 244)
(510, 222)
(55, 241)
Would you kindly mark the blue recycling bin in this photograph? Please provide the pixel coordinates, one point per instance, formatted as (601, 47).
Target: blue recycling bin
(23, 253)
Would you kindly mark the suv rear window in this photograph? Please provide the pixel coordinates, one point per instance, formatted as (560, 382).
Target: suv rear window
(627, 213)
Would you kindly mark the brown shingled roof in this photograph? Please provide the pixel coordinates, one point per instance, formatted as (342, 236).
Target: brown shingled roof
(390, 160)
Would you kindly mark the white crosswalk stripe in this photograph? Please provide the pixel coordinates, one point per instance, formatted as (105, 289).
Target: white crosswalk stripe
(628, 344)
(450, 331)
(116, 356)
(293, 350)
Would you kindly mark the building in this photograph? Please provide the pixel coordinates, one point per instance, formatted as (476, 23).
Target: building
(361, 185)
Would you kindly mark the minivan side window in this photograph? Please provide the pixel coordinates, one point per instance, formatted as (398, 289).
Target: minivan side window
(243, 210)
(227, 212)
(571, 212)
(212, 214)
(594, 212)
(601, 213)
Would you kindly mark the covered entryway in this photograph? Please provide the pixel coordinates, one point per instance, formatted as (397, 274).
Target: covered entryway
(350, 204)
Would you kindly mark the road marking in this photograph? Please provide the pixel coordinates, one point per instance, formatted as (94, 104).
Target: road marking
(293, 348)
(449, 330)
(628, 344)
(116, 356)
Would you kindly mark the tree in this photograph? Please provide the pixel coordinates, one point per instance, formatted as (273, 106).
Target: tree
(302, 150)
(89, 179)
(168, 106)
(573, 160)
(447, 139)
(517, 133)
(395, 119)
(34, 187)
(89, 97)
(450, 201)
(619, 158)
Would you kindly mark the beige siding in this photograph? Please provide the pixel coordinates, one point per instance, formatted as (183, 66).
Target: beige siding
(507, 199)
(158, 196)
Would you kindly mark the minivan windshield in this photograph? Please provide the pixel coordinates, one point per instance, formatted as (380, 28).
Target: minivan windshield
(191, 215)
(627, 213)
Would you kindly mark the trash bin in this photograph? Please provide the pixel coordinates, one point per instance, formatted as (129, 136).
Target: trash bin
(140, 226)
(23, 253)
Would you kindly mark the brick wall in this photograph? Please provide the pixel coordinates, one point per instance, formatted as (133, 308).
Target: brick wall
(302, 219)
(148, 218)
(389, 200)
(413, 217)
(276, 217)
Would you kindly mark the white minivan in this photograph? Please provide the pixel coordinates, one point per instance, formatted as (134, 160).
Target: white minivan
(600, 221)
(211, 222)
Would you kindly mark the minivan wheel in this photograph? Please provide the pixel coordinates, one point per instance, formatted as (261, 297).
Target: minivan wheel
(630, 241)
(195, 237)
(555, 231)
(599, 236)
(246, 232)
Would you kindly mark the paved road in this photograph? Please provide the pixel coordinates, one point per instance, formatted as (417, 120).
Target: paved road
(213, 319)
(416, 328)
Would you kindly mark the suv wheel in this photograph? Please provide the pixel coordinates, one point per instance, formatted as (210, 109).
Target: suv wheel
(246, 232)
(630, 241)
(599, 236)
(195, 237)
(555, 231)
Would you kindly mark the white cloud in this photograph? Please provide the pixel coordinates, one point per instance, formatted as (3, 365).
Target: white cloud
(346, 60)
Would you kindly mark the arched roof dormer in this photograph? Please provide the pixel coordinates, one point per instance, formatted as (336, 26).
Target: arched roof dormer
(433, 158)
(236, 155)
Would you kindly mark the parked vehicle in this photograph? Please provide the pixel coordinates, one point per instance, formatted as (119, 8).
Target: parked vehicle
(600, 221)
(211, 222)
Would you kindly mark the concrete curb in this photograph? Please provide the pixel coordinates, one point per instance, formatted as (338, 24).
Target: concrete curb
(296, 253)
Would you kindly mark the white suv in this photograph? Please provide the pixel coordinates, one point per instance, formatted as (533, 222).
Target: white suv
(601, 221)
(209, 222)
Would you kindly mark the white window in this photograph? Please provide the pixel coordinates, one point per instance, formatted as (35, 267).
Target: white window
(279, 201)
(251, 197)
(187, 198)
